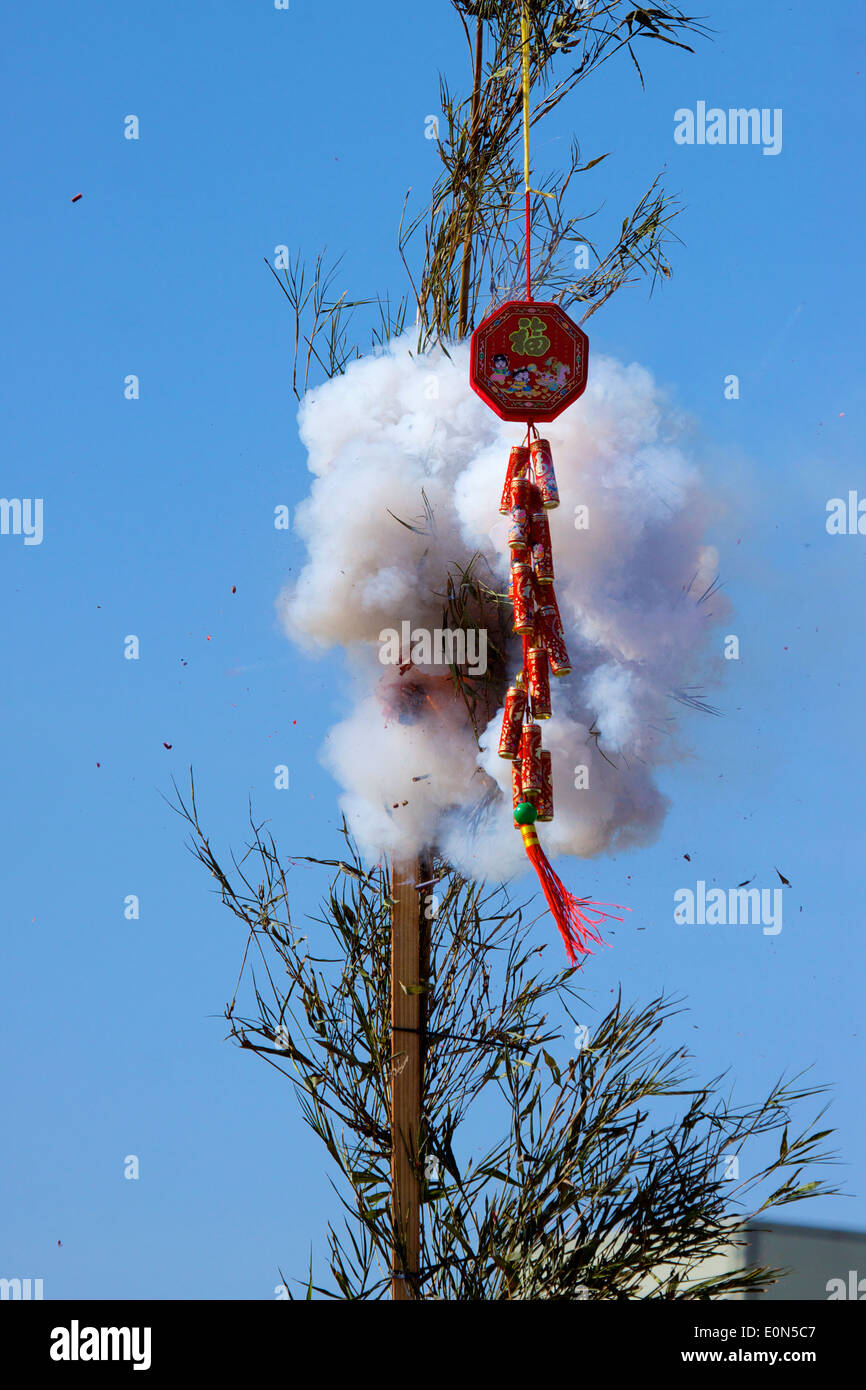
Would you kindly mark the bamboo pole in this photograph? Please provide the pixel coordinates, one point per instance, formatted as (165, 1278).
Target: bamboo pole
(409, 972)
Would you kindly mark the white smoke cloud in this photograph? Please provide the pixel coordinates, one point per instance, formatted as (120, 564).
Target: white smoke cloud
(397, 429)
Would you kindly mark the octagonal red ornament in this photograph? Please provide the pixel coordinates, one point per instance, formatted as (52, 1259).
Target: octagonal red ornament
(529, 361)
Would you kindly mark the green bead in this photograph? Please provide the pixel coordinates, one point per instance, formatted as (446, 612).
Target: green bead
(525, 813)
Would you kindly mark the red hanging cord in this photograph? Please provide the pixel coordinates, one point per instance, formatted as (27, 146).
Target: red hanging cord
(528, 229)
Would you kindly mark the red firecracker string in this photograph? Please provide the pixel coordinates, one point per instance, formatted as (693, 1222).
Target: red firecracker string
(538, 620)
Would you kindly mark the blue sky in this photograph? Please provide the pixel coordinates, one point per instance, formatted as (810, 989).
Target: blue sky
(305, 127)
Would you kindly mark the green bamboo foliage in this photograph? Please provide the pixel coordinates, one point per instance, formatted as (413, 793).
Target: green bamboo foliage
(473, 227)
(463, 250)
(607, 1177)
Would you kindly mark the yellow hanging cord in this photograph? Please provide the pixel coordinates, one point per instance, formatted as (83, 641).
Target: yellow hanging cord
(524, 34)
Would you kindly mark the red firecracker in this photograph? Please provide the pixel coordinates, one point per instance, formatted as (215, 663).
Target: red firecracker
(523, 601)
(544, 804)
(530, 759)
(529, 363)
(518, 462)
(545, 478)
(538, 682)
(542, 551)
(517, 797)
(551, 635)
(512, 722)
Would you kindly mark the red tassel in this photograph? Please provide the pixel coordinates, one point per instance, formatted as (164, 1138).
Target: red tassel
(575, 917)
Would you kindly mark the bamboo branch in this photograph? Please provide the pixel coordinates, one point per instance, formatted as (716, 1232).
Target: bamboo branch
(474, 142)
